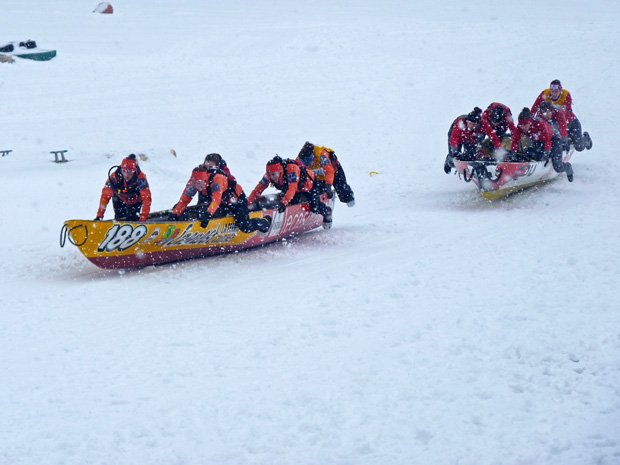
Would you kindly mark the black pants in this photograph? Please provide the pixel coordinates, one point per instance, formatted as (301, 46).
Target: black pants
(125, 212)
(468, 151)
(574, 134)
(344, 191)
(239, 211)
(342, 188)
(314, 200)
(556, 155)
(535, 151)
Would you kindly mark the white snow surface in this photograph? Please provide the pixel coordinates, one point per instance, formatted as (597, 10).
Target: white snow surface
(429, 326)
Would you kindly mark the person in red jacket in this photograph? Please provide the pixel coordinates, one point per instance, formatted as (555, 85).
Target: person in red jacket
(292, 179)
(129, 190)
(561, 99)
(327, 170)
(557, 119)
(221, 196)
(465, 134)
(496, 120)
(542, 144)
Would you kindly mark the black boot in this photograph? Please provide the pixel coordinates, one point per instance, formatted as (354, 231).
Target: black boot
(327, 220)
(448, 164)
(587, 140)
(266, 224)
(569, 171)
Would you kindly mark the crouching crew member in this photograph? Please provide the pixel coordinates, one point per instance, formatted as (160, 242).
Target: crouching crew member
(328, 171)
(496, 121)
(293, 180)
(465, 134)
(129, 190)
(542, 143)
(561, 99)
(220, 164)
(219, 197)
(558, 121)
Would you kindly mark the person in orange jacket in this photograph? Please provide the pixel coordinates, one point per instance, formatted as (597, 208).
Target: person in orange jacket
(561, 99)
(542, 143)
(220, 164)
(129, 190)
(328, 171)
(292, 179)
(219, 197)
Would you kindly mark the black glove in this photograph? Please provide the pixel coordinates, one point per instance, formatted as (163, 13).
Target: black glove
(204, 220)
(330, 192)
(565, 144)
(448, 164)
(281, 207)
(173, 217)
(98, 219)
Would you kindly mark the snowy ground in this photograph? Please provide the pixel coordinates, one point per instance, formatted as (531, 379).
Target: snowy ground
(427, 327)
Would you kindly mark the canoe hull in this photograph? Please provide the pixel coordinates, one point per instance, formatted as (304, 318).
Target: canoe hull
(121, 245)
(496, 180)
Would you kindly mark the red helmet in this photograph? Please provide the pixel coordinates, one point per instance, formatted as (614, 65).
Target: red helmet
(525, 117)
(129, 164)
(274, 166)
(199, 175)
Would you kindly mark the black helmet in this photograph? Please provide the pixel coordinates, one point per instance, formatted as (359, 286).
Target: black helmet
(545, 107)
(525, 114)
(306, 154)
(475, 116)
(306, 150)
(497, 115)
(213, 157)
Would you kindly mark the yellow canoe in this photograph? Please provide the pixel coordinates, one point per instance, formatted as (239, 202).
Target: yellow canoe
(119, 244)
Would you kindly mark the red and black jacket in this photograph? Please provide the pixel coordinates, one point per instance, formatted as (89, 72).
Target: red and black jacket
(490, 128)
(296, 178)
(219, 189)
(459, 133)
(130, 192)
(540, 131)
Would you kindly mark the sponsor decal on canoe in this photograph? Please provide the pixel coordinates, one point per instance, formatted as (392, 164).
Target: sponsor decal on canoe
(222, 234)
(120, 238)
